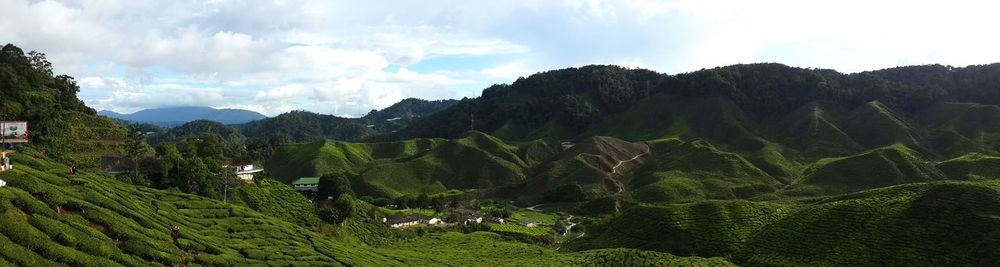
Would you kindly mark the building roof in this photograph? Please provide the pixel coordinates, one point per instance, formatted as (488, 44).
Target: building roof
(306, 181)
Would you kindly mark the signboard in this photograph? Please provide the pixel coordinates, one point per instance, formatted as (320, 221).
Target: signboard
(14, 131)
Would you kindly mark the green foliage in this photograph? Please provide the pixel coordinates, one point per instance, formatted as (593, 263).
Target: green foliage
(333, 185)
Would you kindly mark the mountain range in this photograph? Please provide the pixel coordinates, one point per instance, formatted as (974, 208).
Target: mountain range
(173, 116)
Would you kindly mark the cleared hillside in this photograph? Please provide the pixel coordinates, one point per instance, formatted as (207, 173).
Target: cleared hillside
(595, 166)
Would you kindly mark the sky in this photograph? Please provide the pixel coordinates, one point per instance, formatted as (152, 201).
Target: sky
(349, 57)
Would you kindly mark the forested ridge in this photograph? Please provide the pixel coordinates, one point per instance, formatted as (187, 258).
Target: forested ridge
(578, 97)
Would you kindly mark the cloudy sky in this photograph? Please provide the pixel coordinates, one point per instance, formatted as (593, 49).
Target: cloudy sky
(348, 57)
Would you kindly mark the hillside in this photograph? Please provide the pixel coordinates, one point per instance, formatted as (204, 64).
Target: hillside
(173, 116)
(50, 219)
(877, 168)
(940, 223)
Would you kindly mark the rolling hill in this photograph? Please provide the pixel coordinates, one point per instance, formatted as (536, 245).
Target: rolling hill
(413, 166)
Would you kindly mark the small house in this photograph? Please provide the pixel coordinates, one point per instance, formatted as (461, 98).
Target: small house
(306, 184)
(246, 172)
(3, 183)
(527, 223)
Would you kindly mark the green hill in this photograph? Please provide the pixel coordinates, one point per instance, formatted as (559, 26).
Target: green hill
(971, 166)
(881, 167)
(875, 125)
(812, 130)
(959, 128)
(695, 170)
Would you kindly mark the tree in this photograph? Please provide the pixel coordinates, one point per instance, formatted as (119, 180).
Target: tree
(172, 160)
(39, 62)
(135, 146)
(423, 201)
(334, 184)
(194, 175)
(437, 203)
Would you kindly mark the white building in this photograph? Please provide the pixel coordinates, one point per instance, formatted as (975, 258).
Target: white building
(2, 183)
(245, 172)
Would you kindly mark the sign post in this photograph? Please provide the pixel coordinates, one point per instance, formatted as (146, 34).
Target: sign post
(14, 131)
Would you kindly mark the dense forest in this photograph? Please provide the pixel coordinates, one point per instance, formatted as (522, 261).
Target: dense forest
(577, 98)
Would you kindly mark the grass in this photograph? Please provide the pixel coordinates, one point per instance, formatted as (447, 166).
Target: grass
(541, 218)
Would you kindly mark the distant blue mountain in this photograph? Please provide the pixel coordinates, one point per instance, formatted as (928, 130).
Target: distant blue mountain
(173, 116)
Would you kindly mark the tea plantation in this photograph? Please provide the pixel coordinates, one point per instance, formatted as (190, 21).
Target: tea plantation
(51, 219)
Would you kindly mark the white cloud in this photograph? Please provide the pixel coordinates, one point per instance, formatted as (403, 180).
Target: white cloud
(349, 57)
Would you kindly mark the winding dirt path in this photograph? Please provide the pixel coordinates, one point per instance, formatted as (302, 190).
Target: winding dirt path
(614, 170)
